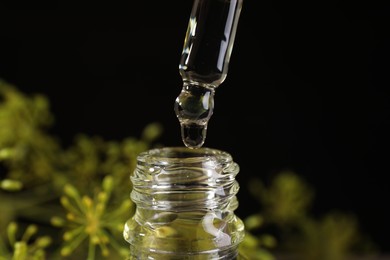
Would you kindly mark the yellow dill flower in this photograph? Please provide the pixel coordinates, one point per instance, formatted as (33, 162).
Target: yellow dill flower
(25, 248)
(90, 219)
(10, 185)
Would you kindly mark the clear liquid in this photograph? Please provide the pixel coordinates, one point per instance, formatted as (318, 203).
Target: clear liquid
(194, 107)
(204, 64)
(209, 41)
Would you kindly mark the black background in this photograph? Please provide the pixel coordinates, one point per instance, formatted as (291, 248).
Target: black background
(307, 88)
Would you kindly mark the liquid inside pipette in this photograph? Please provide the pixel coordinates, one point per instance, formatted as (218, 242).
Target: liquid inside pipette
(204, 64)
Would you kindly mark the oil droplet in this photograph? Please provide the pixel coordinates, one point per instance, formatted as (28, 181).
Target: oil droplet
(194, 107)
(193, 135)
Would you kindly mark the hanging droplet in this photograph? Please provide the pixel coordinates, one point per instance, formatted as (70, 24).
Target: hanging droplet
(194, 107)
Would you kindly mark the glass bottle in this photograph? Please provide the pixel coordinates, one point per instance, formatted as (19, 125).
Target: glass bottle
(185, 201)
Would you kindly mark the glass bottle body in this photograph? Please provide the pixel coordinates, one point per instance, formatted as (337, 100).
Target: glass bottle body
(185, 206)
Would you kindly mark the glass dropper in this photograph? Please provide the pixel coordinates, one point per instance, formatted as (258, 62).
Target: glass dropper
(204, 64)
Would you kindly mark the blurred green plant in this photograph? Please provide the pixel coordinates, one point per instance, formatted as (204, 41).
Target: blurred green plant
(26, 247)
(75, 196)
(285, 209)
(71, 189)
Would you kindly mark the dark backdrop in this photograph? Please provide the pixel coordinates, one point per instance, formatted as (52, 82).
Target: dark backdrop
(307, 88)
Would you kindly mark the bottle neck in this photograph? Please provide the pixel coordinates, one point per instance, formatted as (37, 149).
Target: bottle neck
(185, 204)
(196, 180)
